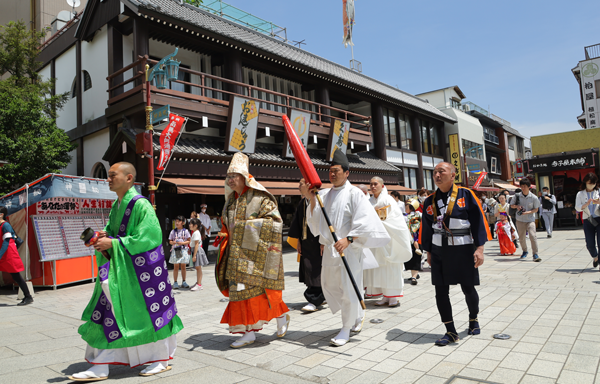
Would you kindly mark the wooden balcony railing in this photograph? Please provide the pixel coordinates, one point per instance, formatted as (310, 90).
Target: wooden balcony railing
(320, 113)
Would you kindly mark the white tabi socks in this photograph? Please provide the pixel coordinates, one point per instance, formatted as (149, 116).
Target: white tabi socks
(341, 338)
(155, 368)
(283, 322)
(96, 371)
(247, 339)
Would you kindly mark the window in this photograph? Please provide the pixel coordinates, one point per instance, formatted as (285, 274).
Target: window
(455, 103)
(494, 165)
(410, 178)
(473, 150)
(425, 147)
(428, 179)
(87, 84)
(393, 133)
(390, 128)
(436, 149)
(99, 171)
(405, 132)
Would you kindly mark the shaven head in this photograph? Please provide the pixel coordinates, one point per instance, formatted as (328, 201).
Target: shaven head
(127, 169)
(376, 185)
(121, 177)
(443, 176)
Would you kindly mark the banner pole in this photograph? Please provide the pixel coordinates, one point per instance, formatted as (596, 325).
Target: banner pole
(169, 159)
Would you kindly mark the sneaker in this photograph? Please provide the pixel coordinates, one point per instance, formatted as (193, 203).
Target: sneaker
(175, 285)
(536, 258)
(196, 287)
(26, 301)
(524, 255)
(549, 235)
(184, 284)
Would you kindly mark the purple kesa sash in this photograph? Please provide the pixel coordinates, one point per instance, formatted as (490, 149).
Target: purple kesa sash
(152, 274)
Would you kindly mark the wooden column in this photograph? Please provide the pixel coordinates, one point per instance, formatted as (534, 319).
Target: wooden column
(141, 44)
(415, 127)
(506, 171)
(379, 139)
(233, 71)
(322, 97)
(115, 57)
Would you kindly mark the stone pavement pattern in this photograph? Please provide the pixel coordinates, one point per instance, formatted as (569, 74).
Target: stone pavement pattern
(551, 309)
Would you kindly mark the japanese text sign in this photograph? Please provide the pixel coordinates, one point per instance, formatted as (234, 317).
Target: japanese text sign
(455, 156)
(242, 125)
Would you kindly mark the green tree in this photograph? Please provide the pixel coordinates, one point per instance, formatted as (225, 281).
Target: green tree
(195, 3)
(29, 138)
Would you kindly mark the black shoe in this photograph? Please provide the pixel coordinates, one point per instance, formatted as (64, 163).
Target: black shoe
(413, 281)
(448, 338)
(26, 301)
(418, 276)
(596, 262)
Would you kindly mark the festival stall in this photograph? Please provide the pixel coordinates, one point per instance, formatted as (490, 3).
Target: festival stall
(50, 214)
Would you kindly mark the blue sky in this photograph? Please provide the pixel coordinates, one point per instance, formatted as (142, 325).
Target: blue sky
(513, 56)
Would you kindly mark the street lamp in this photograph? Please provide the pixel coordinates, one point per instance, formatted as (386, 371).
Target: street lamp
(165, 70)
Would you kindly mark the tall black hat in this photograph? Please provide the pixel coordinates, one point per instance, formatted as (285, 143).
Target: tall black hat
(340, 158)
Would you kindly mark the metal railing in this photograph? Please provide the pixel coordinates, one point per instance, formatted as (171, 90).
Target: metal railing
(491, 138)
(592, 51)
(322, 112)
(475, 107)
(229, 12)
(500, 120)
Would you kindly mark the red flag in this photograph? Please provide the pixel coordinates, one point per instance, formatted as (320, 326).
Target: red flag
(168, 138)
(479, 179)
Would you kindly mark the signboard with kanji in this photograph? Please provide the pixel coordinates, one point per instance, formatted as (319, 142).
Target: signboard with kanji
(455, 156)
(590, 81)
(562, 162)
(338, 138)
(301, 123)
(242, 125)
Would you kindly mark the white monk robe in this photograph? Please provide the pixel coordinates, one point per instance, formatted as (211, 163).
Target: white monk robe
(351, 214)
(388, 279)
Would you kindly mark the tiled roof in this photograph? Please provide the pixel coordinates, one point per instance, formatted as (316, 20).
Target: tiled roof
(205, 20)
(196, 146)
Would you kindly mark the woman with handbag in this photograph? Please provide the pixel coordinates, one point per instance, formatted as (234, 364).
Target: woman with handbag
(10, 261)
(588, 202)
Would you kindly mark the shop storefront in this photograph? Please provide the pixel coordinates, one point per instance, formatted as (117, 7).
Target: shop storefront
(563, 174)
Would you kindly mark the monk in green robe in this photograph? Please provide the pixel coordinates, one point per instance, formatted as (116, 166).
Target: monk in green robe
(131, 318)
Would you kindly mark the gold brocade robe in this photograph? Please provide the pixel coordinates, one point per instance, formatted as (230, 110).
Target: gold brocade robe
(252, 260)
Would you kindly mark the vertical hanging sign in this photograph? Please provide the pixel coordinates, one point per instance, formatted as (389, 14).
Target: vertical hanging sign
(455, 156)
(348, 22)
(590, 81)
(301, 123)
(338, 138)
(242, 125)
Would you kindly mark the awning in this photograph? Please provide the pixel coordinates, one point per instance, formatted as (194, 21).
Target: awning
(508, 186)
(487, 189)
(277, 188)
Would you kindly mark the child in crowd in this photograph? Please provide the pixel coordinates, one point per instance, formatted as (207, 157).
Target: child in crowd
(506, 235)
(180, 256)
(198, 256)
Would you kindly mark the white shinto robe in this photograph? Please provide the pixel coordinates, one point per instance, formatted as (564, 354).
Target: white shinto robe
(351, 214)
(388, 279)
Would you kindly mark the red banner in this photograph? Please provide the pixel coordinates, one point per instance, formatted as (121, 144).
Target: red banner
(479, 179)
(168, 138)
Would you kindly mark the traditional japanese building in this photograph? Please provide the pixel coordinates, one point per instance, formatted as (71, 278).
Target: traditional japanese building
(100, 57)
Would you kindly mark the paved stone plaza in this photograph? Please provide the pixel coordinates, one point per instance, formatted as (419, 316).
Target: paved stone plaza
(551, 309)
